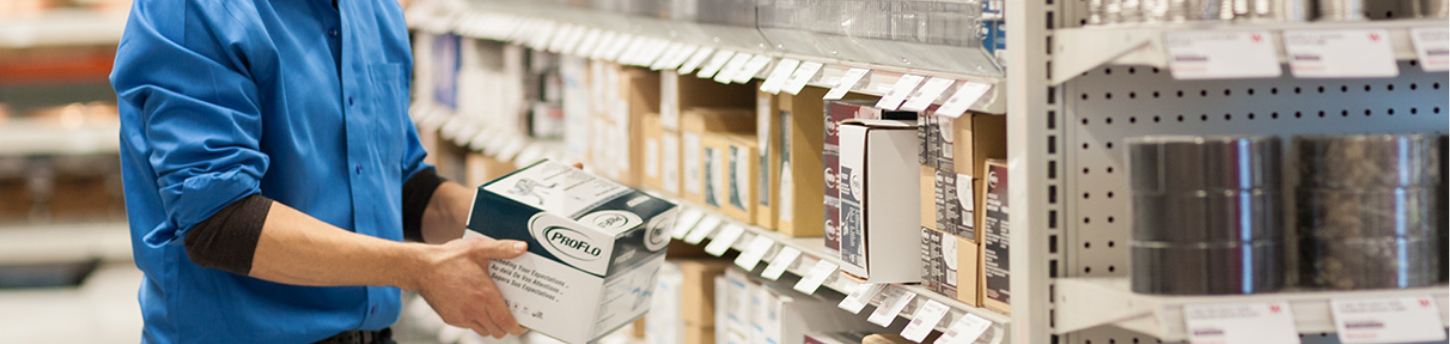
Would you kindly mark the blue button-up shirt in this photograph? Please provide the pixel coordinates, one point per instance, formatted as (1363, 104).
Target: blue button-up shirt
(297, 100)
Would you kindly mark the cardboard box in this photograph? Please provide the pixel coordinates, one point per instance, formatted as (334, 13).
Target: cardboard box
(594, 248)
(940, 261)
(670, 160)
(733, 326)
(955, 203)
(997, 288)
(731, 162)
(768, 138)
(695, 123)
(838, 111)
(877, 194)
(801, 164)
(697, 290)
(698, 335)
(989, 141)
(969, 271)
(927, 200)
(664, 323)
(681, 92)
(652, 135)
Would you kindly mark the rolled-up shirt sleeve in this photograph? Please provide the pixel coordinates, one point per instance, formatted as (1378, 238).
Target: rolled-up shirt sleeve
(199, 108)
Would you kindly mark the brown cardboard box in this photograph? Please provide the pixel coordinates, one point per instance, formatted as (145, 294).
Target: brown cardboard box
(928, 199)
(651, 133)
(996, 280)
(697, 292)
(801, 180)
(742, 172)
(699, 334)
(670, 159)
(768, 143)
(989, 141)
(15, 200)
(640, 91)
(969, 272)
(636, 329)
(681, 92)
(696, 123)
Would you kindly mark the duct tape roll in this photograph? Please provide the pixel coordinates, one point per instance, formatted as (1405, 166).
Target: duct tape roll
(1361, 161)
(1208, 217)
(1233, 268)
(1366, 213)
(1164, 164)
(1369, 263)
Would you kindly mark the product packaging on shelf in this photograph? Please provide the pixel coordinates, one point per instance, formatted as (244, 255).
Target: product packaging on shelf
(800, 117)
(988, 141)
(838, 111)
(996, 277)
(594, 248)
(969, 272)
(697, 302)
(768, 138)
(652, 133)
(927, 201)
(680, 93)
(732, 322)
(878, 192)
(939, 262)
(695, 124)
(774, 313)
(730, 171)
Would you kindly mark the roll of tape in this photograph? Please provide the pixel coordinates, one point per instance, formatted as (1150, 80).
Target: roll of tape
(1369, 263)
(1367, 213)
(1234, 268)
(1363, 161)
(1208, 217)
(1162, 164)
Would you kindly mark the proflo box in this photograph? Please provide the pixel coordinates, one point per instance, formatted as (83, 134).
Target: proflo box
(879, 195)
(595, 247)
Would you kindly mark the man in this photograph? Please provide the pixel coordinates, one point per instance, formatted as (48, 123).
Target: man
(271, 171)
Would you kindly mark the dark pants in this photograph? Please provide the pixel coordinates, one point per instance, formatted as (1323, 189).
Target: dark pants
(384, 336)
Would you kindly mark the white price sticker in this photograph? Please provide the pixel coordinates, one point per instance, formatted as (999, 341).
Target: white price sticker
(716, 63)
(674, 62)
(628, 50)
(1243, 323)
(904, 87)
(656, 52)
(699, 57)
(860, 297)
(965, 330)
(966, 95)
(754, 252)
(751, 69)
(846, 83)
(723, 240)
(572, 42)
(783, 260)
(703, 230)
(727, 73)
(671, 51)
(1387, 320)
(1432, 45)
(924, 321)
(587, 44)
(800, 77)
(688, 219)
(1221, 54)
(778, 75)
(891, 308)
(813, 279)
(928, 93)
(1340, 53)
(605, 42)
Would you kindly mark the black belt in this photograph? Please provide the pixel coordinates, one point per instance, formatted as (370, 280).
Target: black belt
(384, 336)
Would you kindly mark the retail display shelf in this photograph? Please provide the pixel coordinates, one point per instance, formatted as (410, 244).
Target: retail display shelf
(1084, 303)
(63, 28)
(26, 137)
(1143, 44)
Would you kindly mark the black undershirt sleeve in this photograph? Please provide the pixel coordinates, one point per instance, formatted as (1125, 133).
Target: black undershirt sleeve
(227, 240)
(417, 192)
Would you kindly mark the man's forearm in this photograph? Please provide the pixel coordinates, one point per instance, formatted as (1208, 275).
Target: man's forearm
(447, 213)
(295, 248)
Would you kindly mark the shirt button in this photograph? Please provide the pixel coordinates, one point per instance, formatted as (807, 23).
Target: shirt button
(359, 168)
(375, 310)
(332, 32)
(349, 100)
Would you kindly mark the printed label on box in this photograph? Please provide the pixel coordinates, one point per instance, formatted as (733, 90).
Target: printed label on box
(739, 171)
(670, 169)
(713, 174)
(948, 211)
(966, 225)
(998, 236)
(852, 234)
(692, 164)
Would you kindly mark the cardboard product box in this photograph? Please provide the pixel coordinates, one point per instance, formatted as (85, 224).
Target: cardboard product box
(681, 92)
(785, 316)
(734, 327)
(698, 335)
(663, 323)
(17, 201)
(697, 302)
(838, 111)
(955, 203)
(768, 139)
(928, 203)
(924, 135)
(695, 123)
(652, 135)
(640, 90)
(670, 170)
(931, 269)
(989, 141)
(764, 315)
(939, 259)
(595, 247)
(713, 156)
(997, 281)
(969, 271)
(636, 329)
(740, 172)
(800, 117)
(876, 201)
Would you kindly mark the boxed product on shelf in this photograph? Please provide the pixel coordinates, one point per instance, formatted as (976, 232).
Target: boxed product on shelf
(683, 306)
(652, 134)
(939, 262)
(996, 278)
(969, 271)
(694, 123)
(989, 141)
(731, 323)
(774, 313)
(670, 160)
(878, 191)
(697, 301)
(730, 172)
(838, 111)
(664, 323)
(800, 117)
(768, 138)
(679, 93)
(595, 247)
(483, 168)
(927, 200)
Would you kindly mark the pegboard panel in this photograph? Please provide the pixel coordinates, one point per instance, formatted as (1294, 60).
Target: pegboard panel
(1110, 104)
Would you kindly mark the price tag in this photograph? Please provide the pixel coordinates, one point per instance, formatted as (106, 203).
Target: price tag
(965, 330)
(716, 62)
(1340, 53)
(800, 77)
(924, 321)
(1432, 45)
(565, 33)
(847, 82)
(1242, 323)
(751, 69)
(966, 95)
(605, 42)
(688, 219)
(701, 54)
(782, 261)
(683, 54)
(727, 73)
(653, 53)
(586, 45)
(904, 87)
(572, 42)
(1387, 320)
(778, 75)
(1221, 54)
(671, 51)
(891, 307)
(928, 93)
(860, 297)
(702, 230)
(815, 277)
(723, 240)
(541, 40)
(752, 254)
(629, 43)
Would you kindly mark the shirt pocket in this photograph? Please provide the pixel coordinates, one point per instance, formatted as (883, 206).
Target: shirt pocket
(390, 107)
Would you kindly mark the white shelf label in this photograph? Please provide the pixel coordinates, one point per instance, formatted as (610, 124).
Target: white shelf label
(1221, 54)
(815, 277)
(780, 263)
(904, 87)
(716, 63)
(754, 252)
(1432, 44)
(846, 83)
(800, 77)
(778, 75)
(732, 67)
(605, 42)
(1387, 320)
(723, 240)
(966, 95)
(573, 42)
(671, 51)
(688, 219)
(626, 50)
(928, 93)
(924, 321)
(751, 69)
(1243, 323)
(860, 297)
(965, 330)
(586, 45)
(703, 230)
(891, 308)
(1340, 53)
(685, 52)
(695, 60)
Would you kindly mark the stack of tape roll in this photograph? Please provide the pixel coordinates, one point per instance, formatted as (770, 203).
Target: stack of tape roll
(1207, 215)
(1368, 210)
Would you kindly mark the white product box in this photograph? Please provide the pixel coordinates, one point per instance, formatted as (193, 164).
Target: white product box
(595, 248)
(664, 324)
(735, 327)
(880, 191)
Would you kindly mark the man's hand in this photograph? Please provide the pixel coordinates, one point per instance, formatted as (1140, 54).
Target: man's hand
(457, 285)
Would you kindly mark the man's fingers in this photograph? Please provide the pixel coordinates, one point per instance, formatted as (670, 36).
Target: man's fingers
(579, 165)
(499, 311)
(500, 249)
